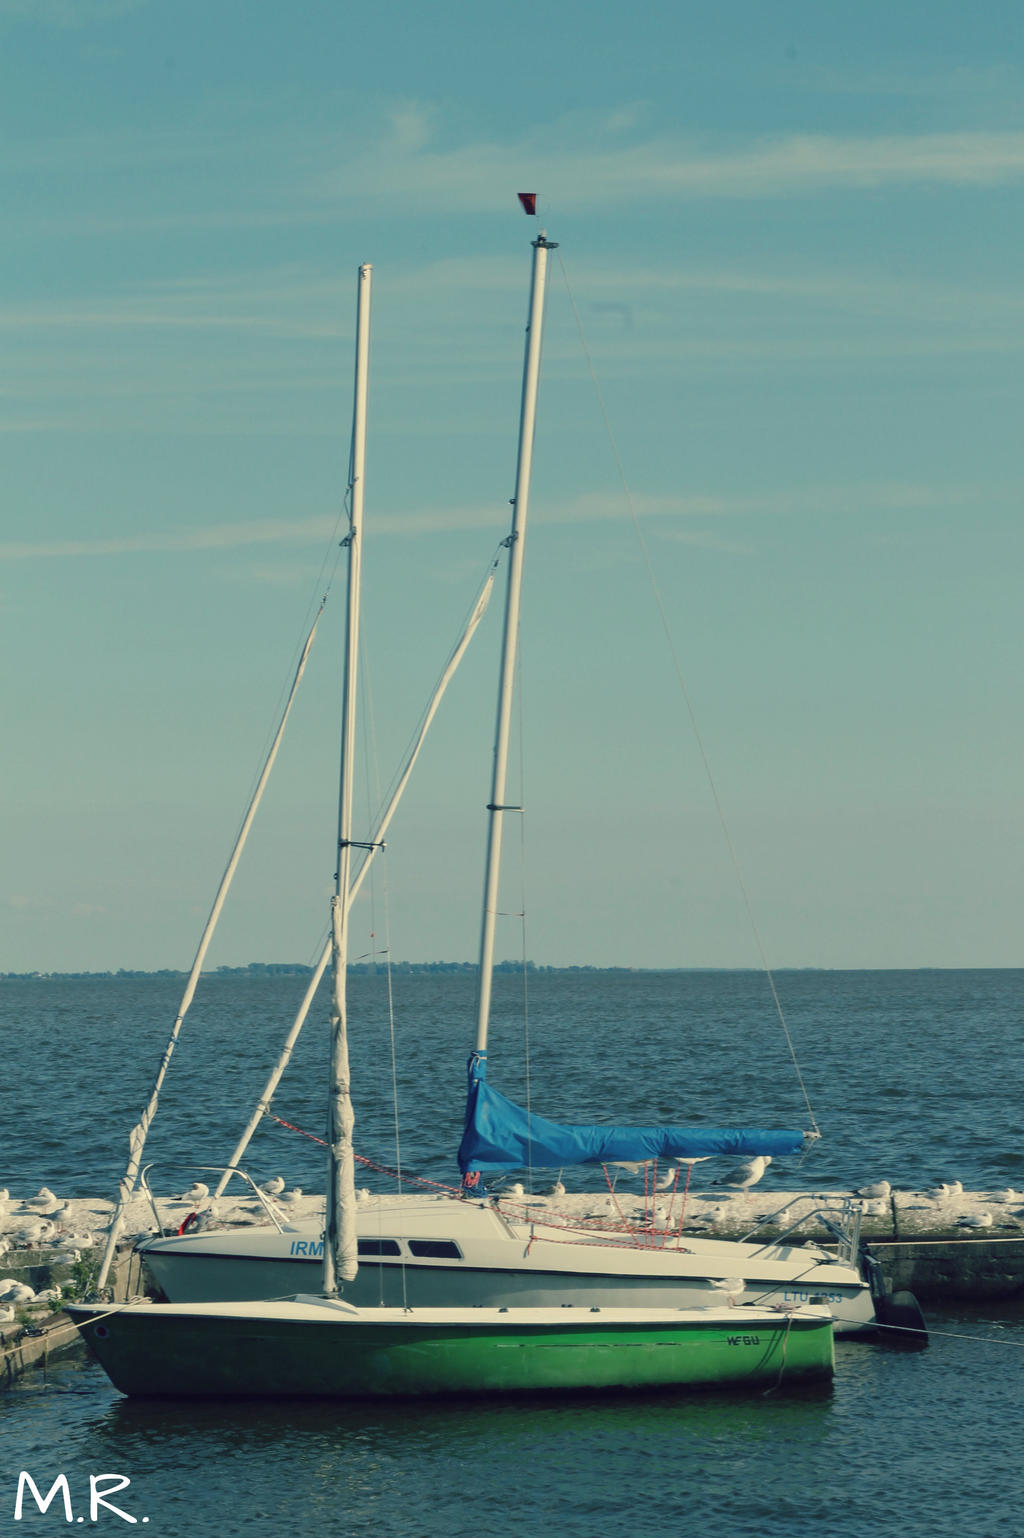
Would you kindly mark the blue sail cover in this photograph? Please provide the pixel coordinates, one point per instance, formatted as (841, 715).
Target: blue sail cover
(500, 1135)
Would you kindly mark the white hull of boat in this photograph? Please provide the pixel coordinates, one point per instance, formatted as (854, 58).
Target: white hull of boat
(436, 1252)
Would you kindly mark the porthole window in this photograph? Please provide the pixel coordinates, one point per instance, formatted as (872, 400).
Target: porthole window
(379, 1247)
(435, 1249)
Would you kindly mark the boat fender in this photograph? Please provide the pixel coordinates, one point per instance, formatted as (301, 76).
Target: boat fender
(186, 1223)
(904, 1322)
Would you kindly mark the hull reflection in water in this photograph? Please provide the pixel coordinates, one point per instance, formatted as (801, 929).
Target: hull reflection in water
(314, 1347)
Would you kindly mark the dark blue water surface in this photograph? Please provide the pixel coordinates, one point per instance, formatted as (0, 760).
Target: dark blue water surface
(914, 1076)
(907, 1445)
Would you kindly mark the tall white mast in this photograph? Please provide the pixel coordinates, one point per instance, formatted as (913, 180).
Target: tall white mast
(340, 1248)
(516, 540)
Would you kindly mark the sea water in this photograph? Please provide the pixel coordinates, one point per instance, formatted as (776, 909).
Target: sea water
(912, 1076)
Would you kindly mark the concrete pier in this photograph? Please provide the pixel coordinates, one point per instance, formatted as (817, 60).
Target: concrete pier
(38, 1335)
(948, 1271)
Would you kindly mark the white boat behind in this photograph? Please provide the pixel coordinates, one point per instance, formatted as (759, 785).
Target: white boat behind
(436, 1251)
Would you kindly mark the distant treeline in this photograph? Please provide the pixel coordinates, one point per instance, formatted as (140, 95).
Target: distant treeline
(297, 969)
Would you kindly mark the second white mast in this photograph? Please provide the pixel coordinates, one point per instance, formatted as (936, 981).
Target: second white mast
(516, 541)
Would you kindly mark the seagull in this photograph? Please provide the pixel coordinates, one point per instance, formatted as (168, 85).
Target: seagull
(31, 1233)
(45, 1202)
(273, 1187)
(1009, 1195)
(745, 1175)
(672, 1173)
(13, 1291)
(557, 1189)
(602, 1207)
(954, 1188)
(876, 1208)
(732, 1286)
(880, 1188)
(196, 1193)
(79, 1239)
(975, 1220)
(292, 1196)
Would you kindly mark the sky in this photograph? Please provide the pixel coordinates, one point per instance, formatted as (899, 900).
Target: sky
(785, 329)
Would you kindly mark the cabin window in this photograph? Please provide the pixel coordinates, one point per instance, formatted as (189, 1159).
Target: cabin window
(379, 1247)
(435, 1249)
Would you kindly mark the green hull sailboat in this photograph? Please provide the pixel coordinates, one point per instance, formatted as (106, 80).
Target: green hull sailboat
(313, 1347)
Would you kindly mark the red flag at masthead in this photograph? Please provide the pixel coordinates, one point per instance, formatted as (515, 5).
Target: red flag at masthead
(529, 202)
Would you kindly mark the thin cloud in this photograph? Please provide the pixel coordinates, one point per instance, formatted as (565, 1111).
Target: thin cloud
(969, 84)
(215, 537)
(68, 13)
(475, 176)
(302, 305)
(586, 509)
(584, 162)
(128, 315)
(834, 499)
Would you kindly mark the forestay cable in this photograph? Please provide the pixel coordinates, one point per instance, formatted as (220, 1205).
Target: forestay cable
(137, 1136)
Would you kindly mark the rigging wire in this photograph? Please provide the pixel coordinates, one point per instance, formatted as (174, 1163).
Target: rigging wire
(372, 772)
(319, 593)
(522, 905)
(690, 710)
